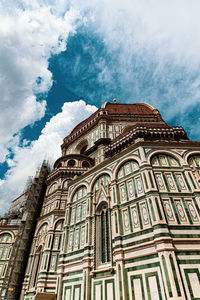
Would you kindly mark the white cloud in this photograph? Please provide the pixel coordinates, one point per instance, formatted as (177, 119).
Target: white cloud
(142, 24)
(160, 33)
(152, 40)
(29, 35)
(28, 158)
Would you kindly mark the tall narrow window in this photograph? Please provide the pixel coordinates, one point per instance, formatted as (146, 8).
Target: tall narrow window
(103, 235)
(107, 236)
(36, 266)
(103, 238)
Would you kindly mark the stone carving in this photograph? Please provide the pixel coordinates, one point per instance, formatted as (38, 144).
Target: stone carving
(144, 214)
(139, 185)
(135, 217)
(180, 210)
(170, 182)
(168, 210)
(159, 181)
(126, 220)
(130, 189)
(181, 181)
(122, 192)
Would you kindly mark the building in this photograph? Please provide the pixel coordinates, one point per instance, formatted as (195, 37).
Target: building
(117, 218)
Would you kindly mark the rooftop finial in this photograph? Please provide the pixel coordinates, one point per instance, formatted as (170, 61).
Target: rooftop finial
(114, 100)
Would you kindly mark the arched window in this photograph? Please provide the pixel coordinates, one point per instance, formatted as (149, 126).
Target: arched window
(101, 193)
(103, 245)
(36, 266)
(52, 188)
(85, 164)
(71, 163)
(41, 236)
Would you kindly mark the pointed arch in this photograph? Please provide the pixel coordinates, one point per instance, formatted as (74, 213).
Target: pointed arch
(97, 177)
(103, 234)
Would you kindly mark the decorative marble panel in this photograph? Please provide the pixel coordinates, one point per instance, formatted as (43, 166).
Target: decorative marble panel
(53, 263)
(160, 181)
(180, 210)
(84, 210)
(139, 185)
(83, 236)
(144, 214)
(70, 241)
(130, 189)
(192, 211)
(76, 239)
(181, 181)
(6, 252)
(135, 217)
(195, 285)
(170, 181)
(78, 215)
(62, 205)
(168, 210)
(73, 215)
(122, 192)
(76, 293)
(153, 288)
(98, 292)
(126, 220)
(137, 288)
(56, 242)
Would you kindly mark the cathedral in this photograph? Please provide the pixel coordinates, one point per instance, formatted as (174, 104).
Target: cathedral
(117, 218)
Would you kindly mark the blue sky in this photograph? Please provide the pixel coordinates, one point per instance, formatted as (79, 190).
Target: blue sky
(55, 53)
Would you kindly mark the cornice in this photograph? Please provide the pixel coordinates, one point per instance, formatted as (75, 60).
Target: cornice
(131, 148)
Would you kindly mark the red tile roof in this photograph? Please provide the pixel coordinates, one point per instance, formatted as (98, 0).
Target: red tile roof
(133, 109)
(119, 109)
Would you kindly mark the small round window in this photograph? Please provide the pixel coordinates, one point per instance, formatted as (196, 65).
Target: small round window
(85, 164)
(71, 163)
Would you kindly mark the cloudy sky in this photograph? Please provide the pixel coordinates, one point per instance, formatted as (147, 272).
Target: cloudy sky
(60, 60)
